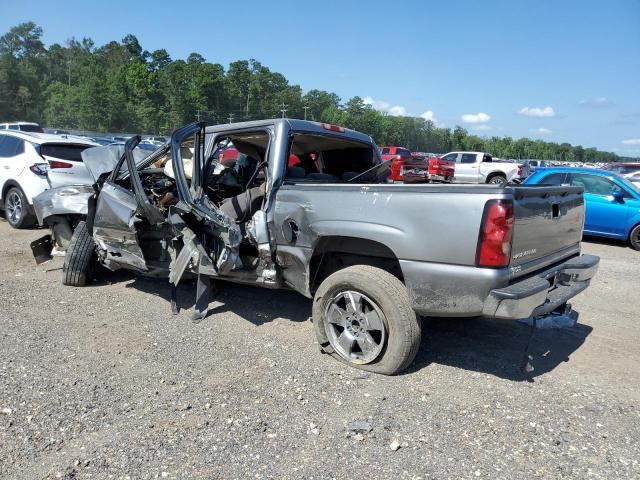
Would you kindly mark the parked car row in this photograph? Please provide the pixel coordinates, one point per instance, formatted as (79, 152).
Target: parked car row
(32, 161)
(458, 167)
(311, 207)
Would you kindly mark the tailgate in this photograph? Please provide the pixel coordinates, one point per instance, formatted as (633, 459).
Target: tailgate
(547, 220)
(414, 170)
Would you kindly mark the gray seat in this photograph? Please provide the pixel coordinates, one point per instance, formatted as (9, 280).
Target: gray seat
(242, 207)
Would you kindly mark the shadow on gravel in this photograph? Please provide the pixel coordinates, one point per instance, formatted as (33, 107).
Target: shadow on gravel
(254, 304)
(483, 345)
(495, 347)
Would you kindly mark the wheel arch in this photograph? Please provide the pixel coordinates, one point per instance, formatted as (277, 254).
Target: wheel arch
(335, 252)
(496, 174)
(634, 224)
(7, 186)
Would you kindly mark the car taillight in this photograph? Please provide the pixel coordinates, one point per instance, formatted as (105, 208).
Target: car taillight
(496, 233)
(519, 170)
(396, 168)
(59, 164)
(39, 169)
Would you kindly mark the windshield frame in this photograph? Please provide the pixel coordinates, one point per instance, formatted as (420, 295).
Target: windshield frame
(628, 185)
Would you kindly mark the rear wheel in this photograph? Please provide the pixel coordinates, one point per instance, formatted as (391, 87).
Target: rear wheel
(634, 237)
(497, 180)
(16, 209)
(79, 258)
(363, 317)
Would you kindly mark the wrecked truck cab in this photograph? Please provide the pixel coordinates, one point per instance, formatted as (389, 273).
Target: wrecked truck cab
(165, 219)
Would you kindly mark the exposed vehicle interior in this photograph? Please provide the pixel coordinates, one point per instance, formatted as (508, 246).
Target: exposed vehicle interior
(318, 158)
(236, 186)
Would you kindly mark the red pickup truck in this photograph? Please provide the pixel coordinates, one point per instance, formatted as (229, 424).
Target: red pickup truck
(417, 167)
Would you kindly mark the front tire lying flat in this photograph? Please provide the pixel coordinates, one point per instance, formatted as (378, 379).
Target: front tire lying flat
(363, 317)
(79, 258)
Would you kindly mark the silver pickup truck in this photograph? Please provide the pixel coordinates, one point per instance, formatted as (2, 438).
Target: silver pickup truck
(307, 206)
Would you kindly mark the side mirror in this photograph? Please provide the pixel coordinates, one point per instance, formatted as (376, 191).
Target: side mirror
(618, 195)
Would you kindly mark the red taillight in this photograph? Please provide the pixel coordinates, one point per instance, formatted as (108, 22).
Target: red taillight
(396, 168)
(434, 166)
(333, 128)
(496, 233)
(39, 169)
(519, 170)
(59, 164)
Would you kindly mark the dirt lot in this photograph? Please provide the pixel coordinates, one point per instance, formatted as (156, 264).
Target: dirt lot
(102, 382)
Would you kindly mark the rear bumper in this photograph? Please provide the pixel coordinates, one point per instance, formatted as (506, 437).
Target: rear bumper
(544, 292)
(444, 290)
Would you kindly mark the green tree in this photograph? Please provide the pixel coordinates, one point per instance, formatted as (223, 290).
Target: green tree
(119, 86)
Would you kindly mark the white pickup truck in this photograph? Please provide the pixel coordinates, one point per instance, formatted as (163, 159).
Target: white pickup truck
(479, 167)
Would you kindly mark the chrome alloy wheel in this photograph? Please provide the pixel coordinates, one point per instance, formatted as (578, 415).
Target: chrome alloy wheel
(355, 326)
(14, 208)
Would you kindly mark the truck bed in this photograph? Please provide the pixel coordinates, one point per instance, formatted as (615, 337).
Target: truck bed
(433, 231)
(444, 218)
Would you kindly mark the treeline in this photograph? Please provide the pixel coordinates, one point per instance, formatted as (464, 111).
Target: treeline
(119, 87)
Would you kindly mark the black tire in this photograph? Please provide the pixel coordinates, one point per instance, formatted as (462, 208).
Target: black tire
(18, 217)
(497, 179)
(79, 258)
(634, 237)
(403, 330)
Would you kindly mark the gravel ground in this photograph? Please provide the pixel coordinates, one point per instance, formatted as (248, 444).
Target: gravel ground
(102, 382)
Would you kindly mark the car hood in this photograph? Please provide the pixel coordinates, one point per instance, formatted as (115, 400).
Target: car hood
(101, 160)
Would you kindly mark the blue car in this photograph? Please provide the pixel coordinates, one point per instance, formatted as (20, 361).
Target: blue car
(612, 202)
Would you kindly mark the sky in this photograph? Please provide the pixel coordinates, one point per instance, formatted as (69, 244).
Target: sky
(562, 71)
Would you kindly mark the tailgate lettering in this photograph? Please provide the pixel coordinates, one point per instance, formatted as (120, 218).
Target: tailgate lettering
(526, 253)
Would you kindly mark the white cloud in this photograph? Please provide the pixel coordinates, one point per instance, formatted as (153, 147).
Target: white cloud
(394, 110)
(476, 117)
(631, 141)
(537, 112)
(483, 128)
(541, 131)
(397, 111)
(597, 102)
(377, 104)
(429, 115)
